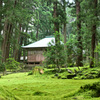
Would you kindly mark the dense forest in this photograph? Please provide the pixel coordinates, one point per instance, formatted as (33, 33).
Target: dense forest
(74, 55)
(23, 22)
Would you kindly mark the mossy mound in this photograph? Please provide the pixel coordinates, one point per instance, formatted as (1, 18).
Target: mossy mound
(95, 89)
(86, 92)
(88, 74)
(63, 74)
(36, 70)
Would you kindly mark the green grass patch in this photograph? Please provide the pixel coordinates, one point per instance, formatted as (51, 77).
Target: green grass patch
(21, 86)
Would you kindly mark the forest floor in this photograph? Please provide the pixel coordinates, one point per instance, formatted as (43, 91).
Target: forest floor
(21, 86)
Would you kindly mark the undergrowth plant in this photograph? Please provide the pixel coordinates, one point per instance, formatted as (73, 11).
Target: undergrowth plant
(12, 64)
(55, 53)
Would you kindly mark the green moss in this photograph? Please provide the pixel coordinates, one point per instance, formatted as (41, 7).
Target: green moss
(21, 86)
(95, 89)
(88, 73)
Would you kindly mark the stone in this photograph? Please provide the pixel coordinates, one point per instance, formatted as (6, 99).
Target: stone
(69, 71)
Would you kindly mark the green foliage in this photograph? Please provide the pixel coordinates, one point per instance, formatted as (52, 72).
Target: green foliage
(38, 67)
(98, 48)
(71, 50)
(51, 66)
(55, 54)
(42, 19)
(12, 64)
(2, 65)
(86, 73)
(30, 73)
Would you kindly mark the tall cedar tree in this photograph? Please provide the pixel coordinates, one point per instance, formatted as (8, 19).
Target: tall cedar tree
(7, 31)
(0, 14)
(79, 39)
(56, 23)
(64, 22)
(93, 30)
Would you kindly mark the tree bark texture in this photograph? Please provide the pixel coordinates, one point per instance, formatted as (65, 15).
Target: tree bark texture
(0, 15)
(64, 7)
(79, 45)
(16, 49)
(56, 23)
(93, 36)
(24, 51)
(6, 40)
(20, 50)
(56, 27)
(37, 32)
(0, 23)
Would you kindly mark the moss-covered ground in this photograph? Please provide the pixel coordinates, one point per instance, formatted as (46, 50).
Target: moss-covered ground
(21, 86)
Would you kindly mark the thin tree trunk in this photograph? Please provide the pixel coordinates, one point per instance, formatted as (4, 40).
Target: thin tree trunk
(0, 15)
(20, 50)
(0, 23)
(65, 40)
(93, 37)
(8, 42)
(4, 44)
(79, 56)
(37, 32)
(24, 51)
(17, 44)
(64, 7)
(21, 39)
(56, 24)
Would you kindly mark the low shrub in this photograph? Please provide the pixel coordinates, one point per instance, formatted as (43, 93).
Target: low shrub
(12, 64)
(30, 73)
(51, 66)
(2, 67)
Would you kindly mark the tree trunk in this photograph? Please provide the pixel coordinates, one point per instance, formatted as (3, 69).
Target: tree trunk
(65, 40)
(64, 7)
(0, 24)
(93, 36)
(17, 44)
(6, 41)
(0, 16)
(79, 45)
(56, 28)
(20, 50)
(37, 32)
(56, 24)
(24, 51)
